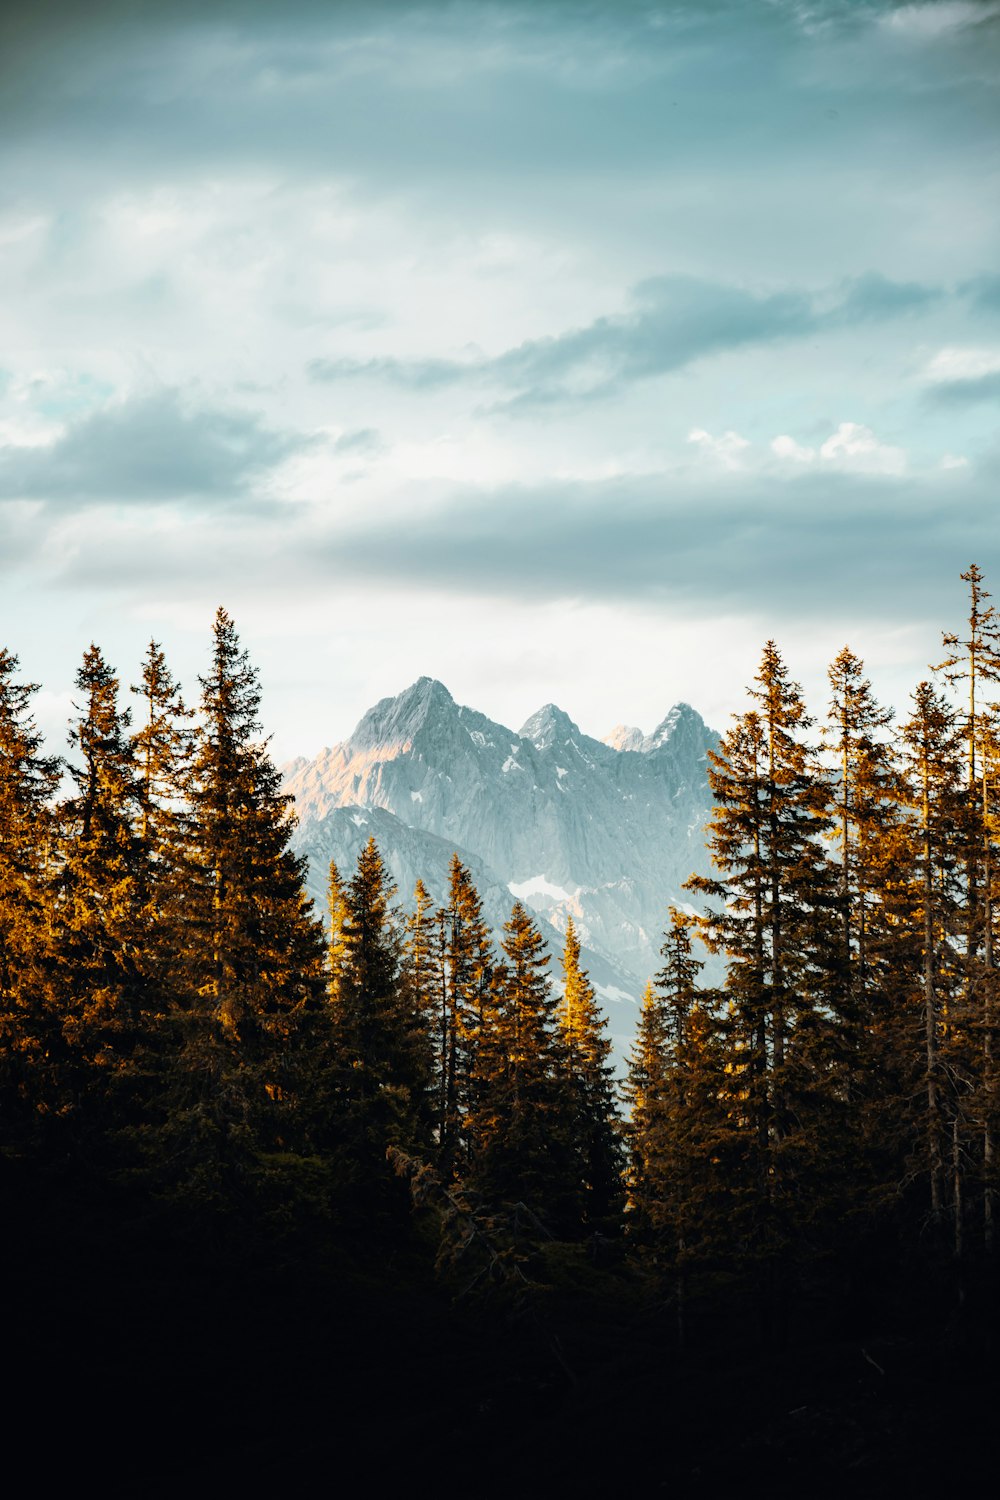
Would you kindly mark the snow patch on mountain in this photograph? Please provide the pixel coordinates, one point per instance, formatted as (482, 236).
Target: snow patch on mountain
(538, 885)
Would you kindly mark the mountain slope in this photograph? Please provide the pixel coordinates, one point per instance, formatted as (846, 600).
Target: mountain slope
(564, 822)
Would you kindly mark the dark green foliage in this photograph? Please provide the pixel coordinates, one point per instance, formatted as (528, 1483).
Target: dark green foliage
(194, 1079)
(28, 1023)
(381, 1051)
(595, 1125)
(98, 935)
(521, 1116)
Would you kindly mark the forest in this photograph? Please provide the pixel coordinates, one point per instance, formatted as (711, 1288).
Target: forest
(283, 1186)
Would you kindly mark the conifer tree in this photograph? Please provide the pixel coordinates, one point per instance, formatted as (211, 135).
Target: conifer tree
(259, 958)
(775, 926)
(520, 1128)
(468, 972)
(420, 975)
(870, 840)
(162, 748)
(866, 793)
(28, 780)
(646, 1093)
(381, 1042)
(932, 749)
(680, 1127)
(253, 947)
(596, 1126)
(337, 915)
(975, 661)
(695, 1145)
(988, 1102)
(99, 938)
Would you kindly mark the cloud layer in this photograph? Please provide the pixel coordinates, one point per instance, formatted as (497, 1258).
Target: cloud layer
(520, 329)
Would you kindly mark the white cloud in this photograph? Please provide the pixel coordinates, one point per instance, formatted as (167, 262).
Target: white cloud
(853, 449)
(786, 447)
(958, 363)
(727, 449)
(856, 449)
(928, 22)
(954, 461)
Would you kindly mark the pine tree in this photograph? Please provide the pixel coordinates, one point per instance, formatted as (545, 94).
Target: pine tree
(468, 966)
(596, 1127)
(99, 938)
(695, 1141)
(422, 981)
(646, 1092)
(682, 1144)
(381, 1042)
(975, 660)
(162, 748)
(520, 1131)
(259, 955)
(28, 780)
(337, 915)
(866, 790)
(870, 839)
(932, 749)
(253, 950)
(775, 926)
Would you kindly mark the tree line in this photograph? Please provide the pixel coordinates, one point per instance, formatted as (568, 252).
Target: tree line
(173, 1011)
(174, 1016)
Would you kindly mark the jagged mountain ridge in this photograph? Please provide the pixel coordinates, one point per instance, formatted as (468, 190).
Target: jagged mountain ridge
(563, 821)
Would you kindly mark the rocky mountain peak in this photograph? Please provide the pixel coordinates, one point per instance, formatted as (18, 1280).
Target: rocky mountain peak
(395, 722)
(682, 725)
(625, 737)
(549, 726)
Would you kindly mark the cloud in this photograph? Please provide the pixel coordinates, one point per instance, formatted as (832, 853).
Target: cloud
(968, 392)
(364, 442)
(851, 449)
(935, 20)
(962, 376)
(786, 447)
(855, 449)
(148, 449)
(850, 526)
(411, 375)
(672, 322)
(983, 292)
(728, 449)
(871, 297)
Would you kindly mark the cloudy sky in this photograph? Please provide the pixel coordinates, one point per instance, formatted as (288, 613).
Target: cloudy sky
(559, 350)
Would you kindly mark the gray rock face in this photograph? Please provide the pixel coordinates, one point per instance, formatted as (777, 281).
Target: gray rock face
(607, 831)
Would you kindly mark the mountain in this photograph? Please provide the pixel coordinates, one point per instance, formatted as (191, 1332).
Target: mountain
(605, 830)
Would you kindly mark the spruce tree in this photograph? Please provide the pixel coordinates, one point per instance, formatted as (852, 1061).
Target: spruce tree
(596, 1126)
(99, 935)
(259, 954)
(775, 924)
(28, 780)
(253, 948)
(932, 748)
(337, 917)
(468, 974)
(870, 841)
(695, 1142)
(973, 659)
(520, 1121)
(381, 1039)
(646, 1093)
(162, 747)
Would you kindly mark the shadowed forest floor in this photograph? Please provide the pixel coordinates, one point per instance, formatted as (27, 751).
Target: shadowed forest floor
(163, 1358)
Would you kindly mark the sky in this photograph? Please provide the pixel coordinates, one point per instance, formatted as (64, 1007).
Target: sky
(561, 351)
